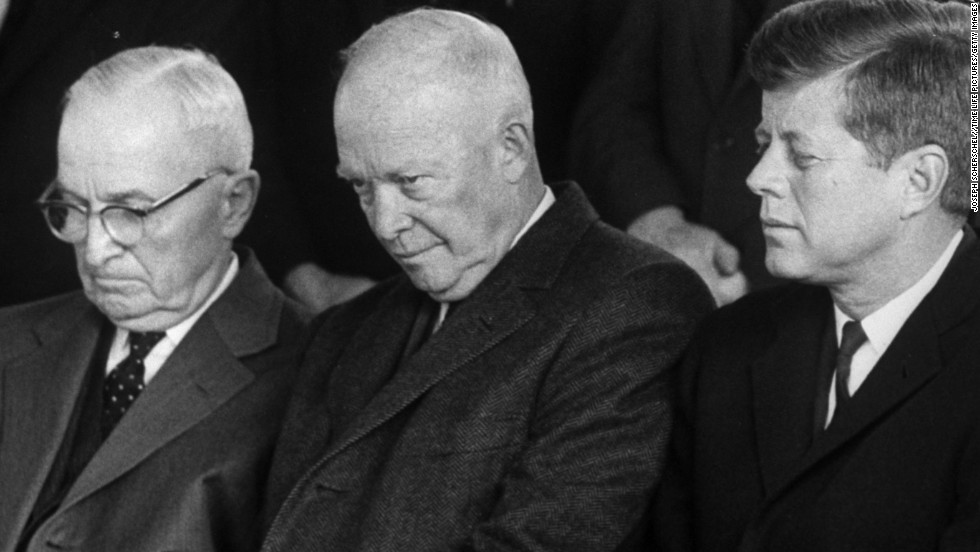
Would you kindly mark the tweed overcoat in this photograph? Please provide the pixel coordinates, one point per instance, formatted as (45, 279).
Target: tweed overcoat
(535, 418)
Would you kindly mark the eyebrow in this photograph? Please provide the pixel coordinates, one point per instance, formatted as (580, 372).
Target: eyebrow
(791, 136)
(116, 198)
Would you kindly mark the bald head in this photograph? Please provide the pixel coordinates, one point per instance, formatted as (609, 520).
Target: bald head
(446, 48)
(433, 120)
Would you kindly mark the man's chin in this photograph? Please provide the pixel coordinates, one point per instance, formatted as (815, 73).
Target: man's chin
(124, 310)
(783, 265)
(445, 290)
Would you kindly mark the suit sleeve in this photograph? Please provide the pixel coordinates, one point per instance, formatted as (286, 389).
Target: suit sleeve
(597, 440)
(616, 150)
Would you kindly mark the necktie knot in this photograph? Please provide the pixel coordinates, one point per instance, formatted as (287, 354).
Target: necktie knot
(141, 343)
(852, 338)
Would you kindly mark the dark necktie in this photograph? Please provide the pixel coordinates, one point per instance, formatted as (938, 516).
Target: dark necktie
(125, 382)
(851, 340)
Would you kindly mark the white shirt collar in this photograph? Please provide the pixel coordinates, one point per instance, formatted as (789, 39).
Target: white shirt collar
(546, 202)
(159, 354)
(883, 325)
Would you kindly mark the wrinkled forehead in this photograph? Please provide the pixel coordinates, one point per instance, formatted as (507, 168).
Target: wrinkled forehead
(375, 99)
(136, 139)
(815, 103)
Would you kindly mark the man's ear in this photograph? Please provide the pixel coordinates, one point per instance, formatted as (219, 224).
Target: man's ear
(924, 171)
(517, 150)
(240, 192)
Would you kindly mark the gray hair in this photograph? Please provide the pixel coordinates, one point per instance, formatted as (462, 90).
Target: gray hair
(452, 47)
(209, 100)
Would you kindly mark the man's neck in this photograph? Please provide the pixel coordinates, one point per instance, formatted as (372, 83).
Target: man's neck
(879, 283)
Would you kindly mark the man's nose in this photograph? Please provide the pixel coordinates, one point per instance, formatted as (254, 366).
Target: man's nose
(388, 215)
(98, 245)
(766, 178)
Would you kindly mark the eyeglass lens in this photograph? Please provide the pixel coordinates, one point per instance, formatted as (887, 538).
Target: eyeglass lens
(70, 223)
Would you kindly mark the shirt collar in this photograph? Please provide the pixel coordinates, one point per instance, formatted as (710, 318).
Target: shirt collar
(175, 334)
(546, 202)
(883, 325)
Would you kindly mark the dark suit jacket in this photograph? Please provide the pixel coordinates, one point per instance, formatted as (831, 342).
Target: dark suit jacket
(184, 469)
(898, 470)
(670, 120)
(534, 418)
(45, 45)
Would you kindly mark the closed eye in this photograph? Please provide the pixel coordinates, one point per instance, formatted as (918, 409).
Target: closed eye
(803, 161)
(405, 179)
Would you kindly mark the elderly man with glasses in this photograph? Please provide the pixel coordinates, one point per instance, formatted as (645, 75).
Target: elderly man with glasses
(140, 415)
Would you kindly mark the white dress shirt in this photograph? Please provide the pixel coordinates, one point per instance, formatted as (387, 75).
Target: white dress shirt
(161, 352)
(546, 202)
(883, 325)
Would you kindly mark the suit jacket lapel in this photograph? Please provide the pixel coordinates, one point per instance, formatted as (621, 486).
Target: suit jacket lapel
(203, 373)
(199, 376)
(784, 382)
(911, 361)
(47, 383)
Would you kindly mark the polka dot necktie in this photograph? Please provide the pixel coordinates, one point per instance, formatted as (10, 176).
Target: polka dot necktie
(125, 382)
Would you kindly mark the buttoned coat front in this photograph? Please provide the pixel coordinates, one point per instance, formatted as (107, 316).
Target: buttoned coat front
(533, 419)
(184, 469)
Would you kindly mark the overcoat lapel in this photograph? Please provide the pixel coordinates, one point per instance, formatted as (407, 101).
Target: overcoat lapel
(44, 23)
(784, 383)
(373, 353)
(475, 329)
(66, 345)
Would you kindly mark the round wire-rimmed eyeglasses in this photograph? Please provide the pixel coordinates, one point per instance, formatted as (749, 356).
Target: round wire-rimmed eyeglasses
(68, 221)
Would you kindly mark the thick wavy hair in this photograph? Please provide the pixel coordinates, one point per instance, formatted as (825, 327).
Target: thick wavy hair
(906, 67)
